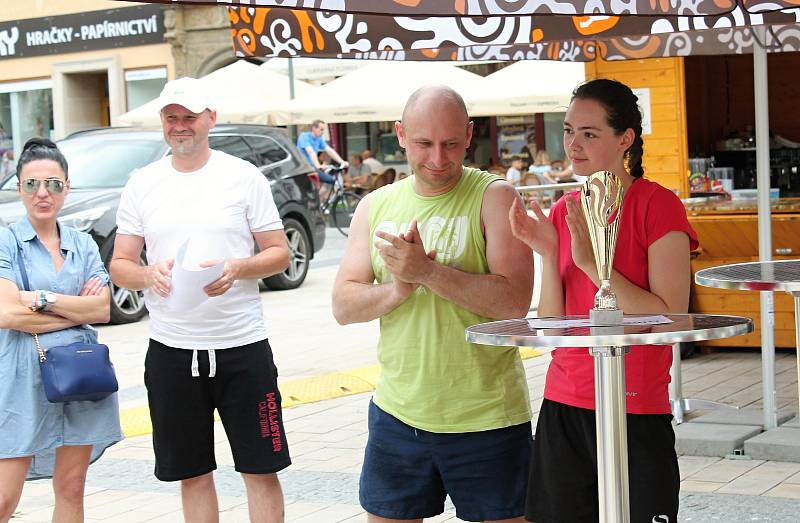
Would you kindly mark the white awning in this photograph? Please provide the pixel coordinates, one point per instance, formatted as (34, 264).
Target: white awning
(525, 87)
(243, 93)
(376, 92)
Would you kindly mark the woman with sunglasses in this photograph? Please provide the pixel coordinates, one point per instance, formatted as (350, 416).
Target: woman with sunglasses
(68, 291)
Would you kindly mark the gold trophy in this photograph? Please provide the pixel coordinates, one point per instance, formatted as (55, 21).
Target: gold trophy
(601, 199)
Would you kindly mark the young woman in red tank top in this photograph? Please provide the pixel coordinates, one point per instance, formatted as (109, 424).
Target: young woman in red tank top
(652, 275)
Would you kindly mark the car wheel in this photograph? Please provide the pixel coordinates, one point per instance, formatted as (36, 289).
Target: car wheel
(299, 258)
(127, 306)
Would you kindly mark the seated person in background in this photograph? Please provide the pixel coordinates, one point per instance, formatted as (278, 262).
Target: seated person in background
(564, 172)
(385, 178)
(539, 174)
(359, 174)
(541, 167)
(401, 175)
(514, 173)
(374, 165)
(530, 178)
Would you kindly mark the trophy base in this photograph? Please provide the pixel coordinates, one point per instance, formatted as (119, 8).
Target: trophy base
(605, 317)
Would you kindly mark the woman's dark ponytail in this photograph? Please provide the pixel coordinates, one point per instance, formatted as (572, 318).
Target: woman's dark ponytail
(634, 155)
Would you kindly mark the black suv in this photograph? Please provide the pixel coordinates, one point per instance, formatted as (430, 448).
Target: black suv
(102, 160)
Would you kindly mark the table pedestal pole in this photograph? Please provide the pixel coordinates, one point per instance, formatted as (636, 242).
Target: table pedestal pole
(612, 433)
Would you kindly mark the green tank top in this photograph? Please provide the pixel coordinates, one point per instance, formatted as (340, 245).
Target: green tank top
(431, 378)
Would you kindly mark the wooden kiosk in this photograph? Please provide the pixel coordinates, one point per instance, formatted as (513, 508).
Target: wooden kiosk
(720, 98)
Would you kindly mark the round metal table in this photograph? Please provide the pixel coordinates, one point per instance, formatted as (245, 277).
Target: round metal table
(608, 346)
(783, 275)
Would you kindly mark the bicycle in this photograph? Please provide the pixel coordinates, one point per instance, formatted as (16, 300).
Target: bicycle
(339, 204)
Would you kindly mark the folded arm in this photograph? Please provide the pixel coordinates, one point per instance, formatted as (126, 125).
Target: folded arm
(93, 305)
(16, 316)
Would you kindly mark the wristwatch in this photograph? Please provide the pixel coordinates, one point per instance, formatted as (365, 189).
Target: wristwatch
(49, 301)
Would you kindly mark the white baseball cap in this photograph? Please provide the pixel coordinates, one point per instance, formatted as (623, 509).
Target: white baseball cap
(187, 92)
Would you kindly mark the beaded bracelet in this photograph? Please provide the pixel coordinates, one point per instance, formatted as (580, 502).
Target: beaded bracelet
(39, 301)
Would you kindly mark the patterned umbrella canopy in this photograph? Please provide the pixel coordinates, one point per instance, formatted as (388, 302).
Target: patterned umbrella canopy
(511, 7)
(286, 32)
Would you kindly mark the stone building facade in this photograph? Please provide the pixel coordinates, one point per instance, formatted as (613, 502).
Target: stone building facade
(200, 38)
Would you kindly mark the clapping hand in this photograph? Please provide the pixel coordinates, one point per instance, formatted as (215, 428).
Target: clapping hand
(537, 232)
(582, 253)
(405, 258)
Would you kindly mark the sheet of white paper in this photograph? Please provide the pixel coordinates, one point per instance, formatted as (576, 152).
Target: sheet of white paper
(544, 323)
(188, 280)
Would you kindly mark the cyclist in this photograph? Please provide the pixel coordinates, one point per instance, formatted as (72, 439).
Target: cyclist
(312, 142)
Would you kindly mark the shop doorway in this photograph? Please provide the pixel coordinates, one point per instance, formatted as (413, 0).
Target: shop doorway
(86, 100)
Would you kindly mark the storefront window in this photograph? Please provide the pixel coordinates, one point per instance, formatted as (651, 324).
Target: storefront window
(479, 153)
(357, 137)
(388, 148)
(143, 85)
(554, 135)
(516, 136)
(26, 111)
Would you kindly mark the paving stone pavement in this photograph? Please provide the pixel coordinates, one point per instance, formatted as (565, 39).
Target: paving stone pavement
(326, 441)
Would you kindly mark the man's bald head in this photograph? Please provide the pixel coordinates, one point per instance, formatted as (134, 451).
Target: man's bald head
(435, 133)
(430, 97)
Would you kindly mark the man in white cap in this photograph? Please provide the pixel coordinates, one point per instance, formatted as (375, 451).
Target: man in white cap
(214, 354)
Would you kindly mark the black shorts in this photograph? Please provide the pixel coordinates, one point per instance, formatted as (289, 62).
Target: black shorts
(245, 393)
(562, 487)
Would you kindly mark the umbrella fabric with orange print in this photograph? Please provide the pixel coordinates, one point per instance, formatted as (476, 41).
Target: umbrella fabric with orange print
(286, 32)
(497, 8)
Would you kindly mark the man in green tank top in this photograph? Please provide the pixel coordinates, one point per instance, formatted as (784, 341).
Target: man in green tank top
(431, 255)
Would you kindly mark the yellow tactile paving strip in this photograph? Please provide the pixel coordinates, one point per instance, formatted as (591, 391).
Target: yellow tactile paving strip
(136, 420)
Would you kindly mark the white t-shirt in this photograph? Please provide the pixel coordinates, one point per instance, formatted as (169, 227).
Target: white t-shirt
(218, 206)
(374, 165)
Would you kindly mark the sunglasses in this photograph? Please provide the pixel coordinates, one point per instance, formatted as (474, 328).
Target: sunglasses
(31, 185)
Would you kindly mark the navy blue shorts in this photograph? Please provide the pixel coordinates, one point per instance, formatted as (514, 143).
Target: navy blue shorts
(408, 472)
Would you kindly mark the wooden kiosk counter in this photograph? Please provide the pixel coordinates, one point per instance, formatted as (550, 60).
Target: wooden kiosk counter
(728, 233)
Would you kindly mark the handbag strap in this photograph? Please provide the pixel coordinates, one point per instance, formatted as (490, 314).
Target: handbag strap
(26, 286)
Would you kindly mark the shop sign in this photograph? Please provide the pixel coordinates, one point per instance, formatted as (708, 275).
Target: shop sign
(93, 30)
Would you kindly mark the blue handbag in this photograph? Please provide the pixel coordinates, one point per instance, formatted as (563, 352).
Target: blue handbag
(74, 372)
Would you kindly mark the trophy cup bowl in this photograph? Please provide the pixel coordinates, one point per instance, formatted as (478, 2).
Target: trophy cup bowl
(601, 199)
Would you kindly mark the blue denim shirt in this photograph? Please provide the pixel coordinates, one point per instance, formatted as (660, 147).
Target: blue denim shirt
(81, 262)
(29, 424)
